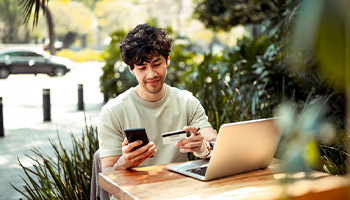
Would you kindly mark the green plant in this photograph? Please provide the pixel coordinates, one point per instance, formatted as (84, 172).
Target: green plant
(310, 141)
(334, 156)
(67, 175)
(182, 57)
(237, 84)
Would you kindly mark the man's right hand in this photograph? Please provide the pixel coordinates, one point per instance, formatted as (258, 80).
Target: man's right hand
(130, 158)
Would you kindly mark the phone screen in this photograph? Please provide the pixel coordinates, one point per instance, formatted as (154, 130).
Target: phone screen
(137, 134)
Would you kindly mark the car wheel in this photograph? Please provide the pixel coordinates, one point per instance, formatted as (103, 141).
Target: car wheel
(59, 72)
(4, 72)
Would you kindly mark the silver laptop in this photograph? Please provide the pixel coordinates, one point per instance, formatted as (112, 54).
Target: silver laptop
(240, 147)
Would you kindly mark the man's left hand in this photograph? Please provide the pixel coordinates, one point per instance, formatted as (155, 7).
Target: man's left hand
(194, 143)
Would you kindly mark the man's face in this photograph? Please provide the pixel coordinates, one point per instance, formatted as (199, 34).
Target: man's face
(151, 76)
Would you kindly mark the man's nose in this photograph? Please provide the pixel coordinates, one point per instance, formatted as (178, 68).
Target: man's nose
(151, 73)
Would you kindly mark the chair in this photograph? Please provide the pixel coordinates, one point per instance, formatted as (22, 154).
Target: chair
(97, 193)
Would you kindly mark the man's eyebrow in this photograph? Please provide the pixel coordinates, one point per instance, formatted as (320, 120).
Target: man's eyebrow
(144, 63)
(156, 60)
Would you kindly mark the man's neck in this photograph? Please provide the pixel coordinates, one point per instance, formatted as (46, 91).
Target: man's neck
(147, 96)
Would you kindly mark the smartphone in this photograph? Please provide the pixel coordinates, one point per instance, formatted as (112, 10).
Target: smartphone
(137, 134)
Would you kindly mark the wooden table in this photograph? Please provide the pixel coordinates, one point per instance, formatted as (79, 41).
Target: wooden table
(156, 182)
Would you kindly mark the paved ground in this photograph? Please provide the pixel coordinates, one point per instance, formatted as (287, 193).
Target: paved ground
(23, 117)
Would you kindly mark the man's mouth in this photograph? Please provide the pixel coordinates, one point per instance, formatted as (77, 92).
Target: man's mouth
(153, 82)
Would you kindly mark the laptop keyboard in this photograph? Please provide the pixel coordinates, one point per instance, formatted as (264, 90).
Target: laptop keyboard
(201, 170)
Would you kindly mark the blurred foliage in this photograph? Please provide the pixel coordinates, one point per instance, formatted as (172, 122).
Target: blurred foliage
(80, 17)
(316, 24)
(111, 15)
(182, 57)
(321, 45)
(116, 77)
(225, 14)
(67, 175)
(72, 21)
(335, 155)
(82, 55)
(80, 20)
(233, 86)
(89, 3)
(291, 84)
(12, 29)
(310, 140)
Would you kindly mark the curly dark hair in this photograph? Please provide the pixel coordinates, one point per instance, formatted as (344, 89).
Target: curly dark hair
(142, 43)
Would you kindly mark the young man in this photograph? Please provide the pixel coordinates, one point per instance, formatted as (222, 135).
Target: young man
(152, 105)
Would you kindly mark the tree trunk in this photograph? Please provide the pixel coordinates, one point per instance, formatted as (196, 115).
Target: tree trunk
(51, 31)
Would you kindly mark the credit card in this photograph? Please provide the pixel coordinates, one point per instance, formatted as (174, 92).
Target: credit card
(173, 136)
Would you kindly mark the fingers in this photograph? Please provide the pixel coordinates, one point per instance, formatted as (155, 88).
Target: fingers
(191, 147)
(132, 145)
(190, 144)
(128, 147)
(134, 158)
(139, 158)
(145, 149)
(125, 142)
(193, 138)
(193, 130)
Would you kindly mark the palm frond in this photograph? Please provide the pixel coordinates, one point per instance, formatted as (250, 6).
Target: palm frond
(33, 5)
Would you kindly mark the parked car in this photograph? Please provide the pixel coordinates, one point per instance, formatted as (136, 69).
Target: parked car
(31, 61)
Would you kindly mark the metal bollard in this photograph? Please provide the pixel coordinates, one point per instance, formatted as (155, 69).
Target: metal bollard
(2, 132)
(80, 97)
(46, 105)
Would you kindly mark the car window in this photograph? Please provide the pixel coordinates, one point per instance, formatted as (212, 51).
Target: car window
(22, 54)
(16, 53)
(32, 54)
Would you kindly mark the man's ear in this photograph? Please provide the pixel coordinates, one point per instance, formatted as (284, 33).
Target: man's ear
(167, 61)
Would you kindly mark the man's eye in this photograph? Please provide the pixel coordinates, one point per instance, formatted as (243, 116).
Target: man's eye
(142, 68)
(156, 64)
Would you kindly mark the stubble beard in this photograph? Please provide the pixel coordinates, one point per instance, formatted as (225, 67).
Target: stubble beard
(154, 90)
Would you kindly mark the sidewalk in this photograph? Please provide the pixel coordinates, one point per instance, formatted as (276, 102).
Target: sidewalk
(24, 125)
(18, 141)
